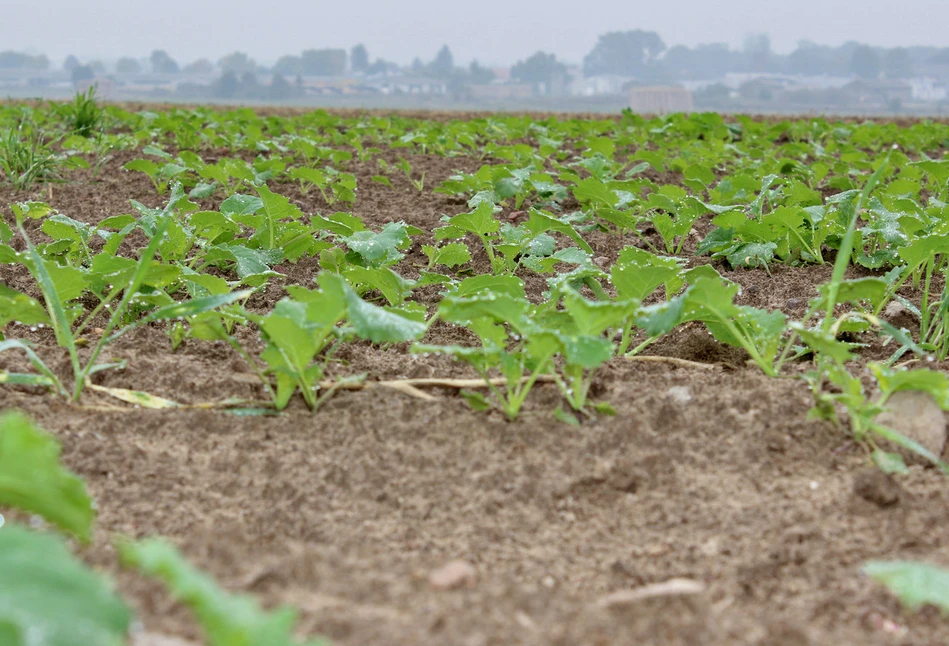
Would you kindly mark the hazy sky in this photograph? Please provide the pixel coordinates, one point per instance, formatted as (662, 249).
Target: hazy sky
(493, 31)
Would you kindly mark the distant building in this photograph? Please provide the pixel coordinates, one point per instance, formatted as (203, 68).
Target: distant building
(408, 85)
(500, 91)
(660, 100)
(501, 74)
(735, 80)
(331, 85)
(877, 93)
(600, 84)
(927, 90)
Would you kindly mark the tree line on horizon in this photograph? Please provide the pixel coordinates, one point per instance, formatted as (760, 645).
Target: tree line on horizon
(637, 54)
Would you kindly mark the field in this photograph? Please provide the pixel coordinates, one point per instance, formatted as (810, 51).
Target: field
(484, 379)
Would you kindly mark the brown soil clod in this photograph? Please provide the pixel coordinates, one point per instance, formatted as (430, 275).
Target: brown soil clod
(876, 487)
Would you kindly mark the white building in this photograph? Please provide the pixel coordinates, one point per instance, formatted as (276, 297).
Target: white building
(926, 89)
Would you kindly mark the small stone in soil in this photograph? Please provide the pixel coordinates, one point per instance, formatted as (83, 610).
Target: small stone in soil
(680, 395)
(916, 415)
(899, 315)
(453, 575)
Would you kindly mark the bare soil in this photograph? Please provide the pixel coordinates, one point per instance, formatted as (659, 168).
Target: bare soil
(708, 472)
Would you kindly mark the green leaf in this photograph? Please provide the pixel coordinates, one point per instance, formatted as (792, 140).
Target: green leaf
(596, 317)
(584, 350)
(312, 175)
(595, 193)
(288, 329)
(241, 205)
(70, 282)
(33, 479)
(637, 273)
(823, 343)
(500, 308)
(892, 380)
(146, 166)
(566, 417)
(50, 598)
(510, 285)
(752, 254)
(449, 255)
(475, 400)
(915, 584)
(870, 289)
(15, 306)
(380, 324)
(889, 462)
(32, 210)
(186, 309)
(394, 287)
(202, 191)
(251, 262)
(226, 619)
(924, 249)
(661, 318)
(540, 222)
(8, 255)
(35, 361)
(277, 207)
(480, 221)
(379, 248)
(711, 299)
(23, 379)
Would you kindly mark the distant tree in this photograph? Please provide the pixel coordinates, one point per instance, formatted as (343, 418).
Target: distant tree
(457, 85)
(18, 61)
(381, 66)
(865, 62)
(127, 65)
(202, 66)
(162, 63)
(250, 86)
(444, 64)
(757, 51)
(70, 63)
(704, 62)
(539, 69)
(479, 75)
(897, 63)
(82, 73)
(359, 58)
(678, 62)
(417, 66)
(627, 53)
(280, 89)
(323, 62)
(237, 62)
(716, 93)
(227, 86)
(288, 66)
(808, 59)
(940, 57)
